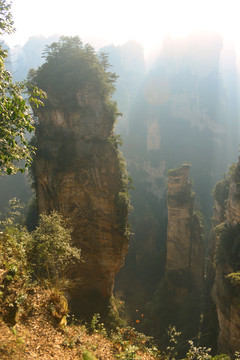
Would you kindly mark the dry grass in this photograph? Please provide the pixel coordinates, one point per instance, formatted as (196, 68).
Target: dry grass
(38, 335)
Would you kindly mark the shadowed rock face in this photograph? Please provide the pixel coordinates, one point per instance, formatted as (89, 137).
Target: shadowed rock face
(78, 174)
(226, 299)
(184, 244)
(180, 290)
(232, 210)
(226, 292)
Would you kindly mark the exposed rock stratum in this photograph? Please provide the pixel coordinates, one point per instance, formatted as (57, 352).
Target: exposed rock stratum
(79, 171)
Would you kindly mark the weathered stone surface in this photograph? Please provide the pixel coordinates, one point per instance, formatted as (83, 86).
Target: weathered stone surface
(184, 244)
(218, 213)
(224, 294)
(78, 174)
(232, 211)
(228, 312)
(181, 287)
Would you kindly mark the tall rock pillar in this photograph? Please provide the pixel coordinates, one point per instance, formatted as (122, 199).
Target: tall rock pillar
(226, 252)
(78, 169)
(185, 250)
(184, 254)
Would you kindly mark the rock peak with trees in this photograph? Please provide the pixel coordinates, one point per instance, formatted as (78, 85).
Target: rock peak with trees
(78, 170)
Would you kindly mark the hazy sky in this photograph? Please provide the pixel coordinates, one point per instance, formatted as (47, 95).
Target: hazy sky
(102, 22)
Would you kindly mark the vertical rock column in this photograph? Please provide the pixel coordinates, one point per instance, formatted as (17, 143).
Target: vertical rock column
(226, 252)
(184, 261)
(78, 169)
(78, 174)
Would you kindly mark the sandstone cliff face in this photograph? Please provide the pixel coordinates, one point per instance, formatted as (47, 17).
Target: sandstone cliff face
(232, 210)
(79, 173)
(226, 289)
(185, 250)
(226, 298)
(178, 293)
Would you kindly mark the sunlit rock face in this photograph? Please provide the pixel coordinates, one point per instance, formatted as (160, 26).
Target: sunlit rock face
(226, 291)
(232, 211)
(78, 173)
(185, 251)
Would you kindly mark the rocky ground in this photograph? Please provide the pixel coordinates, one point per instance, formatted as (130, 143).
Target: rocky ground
(38, 334)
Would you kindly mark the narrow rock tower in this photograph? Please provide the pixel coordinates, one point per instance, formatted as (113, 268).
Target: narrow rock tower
(78, 170)
(185, 252)
(226, 253)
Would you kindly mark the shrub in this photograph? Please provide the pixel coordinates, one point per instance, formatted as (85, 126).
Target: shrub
(197, 353)
(14, 272)
(46, 253)
(234, 278)
(97, 326)
(50, 251)
(132, 343)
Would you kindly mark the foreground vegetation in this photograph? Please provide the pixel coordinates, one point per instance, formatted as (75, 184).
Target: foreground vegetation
(35, 321)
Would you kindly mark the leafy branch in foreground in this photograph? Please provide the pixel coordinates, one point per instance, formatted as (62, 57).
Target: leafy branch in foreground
(15, 120)
(46, 254)
(6, 22)
(15, 113)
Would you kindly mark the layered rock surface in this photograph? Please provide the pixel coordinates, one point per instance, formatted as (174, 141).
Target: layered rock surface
(178, 294)
(185, 250)
(226, 298)
(78, 172)
(226, 287)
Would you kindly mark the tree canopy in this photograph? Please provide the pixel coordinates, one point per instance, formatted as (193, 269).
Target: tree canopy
(70, 68)
(15, 112)
(6, 21)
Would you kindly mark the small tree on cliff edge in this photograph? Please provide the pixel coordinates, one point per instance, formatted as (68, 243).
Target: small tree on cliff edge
(15, 113)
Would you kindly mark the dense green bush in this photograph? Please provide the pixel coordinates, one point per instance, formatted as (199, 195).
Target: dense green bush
(234, 278)
(50, 250)
(44, 254)
(70, 68)
(15, 271)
